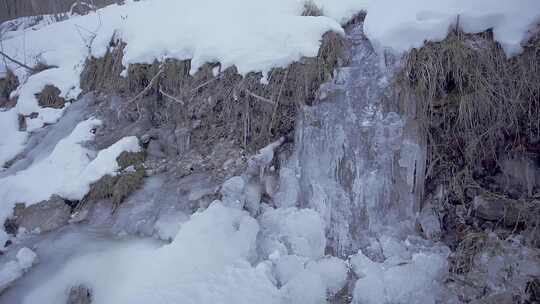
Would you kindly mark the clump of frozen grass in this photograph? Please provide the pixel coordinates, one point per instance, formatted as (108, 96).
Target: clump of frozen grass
(311, 9)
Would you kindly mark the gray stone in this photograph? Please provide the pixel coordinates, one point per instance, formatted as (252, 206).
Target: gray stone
(501, 209)
(500, 298)
(44, 216)
(79, 295)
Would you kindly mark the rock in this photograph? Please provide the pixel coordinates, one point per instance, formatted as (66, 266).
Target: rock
(43, 216)
(79, 295)
(507, 211)
(499, 298)
(81, 8)
(154, 150)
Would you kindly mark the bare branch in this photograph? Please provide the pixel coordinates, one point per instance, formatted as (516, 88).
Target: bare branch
(260, 97)
(17, 62)
(170, 96)
(147, 88)
(206, 83)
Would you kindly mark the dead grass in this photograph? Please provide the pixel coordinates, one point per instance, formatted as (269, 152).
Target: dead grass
(224, 104)
(49, 97)
(311, 9)
(7, 85)
(473, 103)
(118, 187)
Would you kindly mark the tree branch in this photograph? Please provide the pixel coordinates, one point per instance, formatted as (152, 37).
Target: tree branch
(17, 62)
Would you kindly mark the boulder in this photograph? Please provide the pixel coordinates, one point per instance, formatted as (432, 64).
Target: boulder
(43, 216)
(500, 209)
(79, 295)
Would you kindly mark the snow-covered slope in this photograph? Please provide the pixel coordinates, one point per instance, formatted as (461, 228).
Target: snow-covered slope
(402, 25)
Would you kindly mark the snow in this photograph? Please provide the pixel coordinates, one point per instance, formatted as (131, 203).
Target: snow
(224, 254)
(293, 231)
(15, 269)
(314, 281)
(12, 140)
(28, 104)
(68, 171)
(212, 259)
(410, 274)
(104, 163)
(208, 262)
(401, 25)
(252, 35)
(167, 226)
(26, 258)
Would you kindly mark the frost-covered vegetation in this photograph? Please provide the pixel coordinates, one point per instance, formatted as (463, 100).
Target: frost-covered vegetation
(287, 151)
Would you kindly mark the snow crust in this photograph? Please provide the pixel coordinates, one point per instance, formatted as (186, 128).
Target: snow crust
(401, 25)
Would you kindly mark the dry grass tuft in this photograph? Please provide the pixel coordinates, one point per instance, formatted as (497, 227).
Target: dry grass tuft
(311, 9)
(7, 85)
(473, 103)
(118, 187)
(49, 97)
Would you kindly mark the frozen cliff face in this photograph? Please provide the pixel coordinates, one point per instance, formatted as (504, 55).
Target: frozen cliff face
(355, 164)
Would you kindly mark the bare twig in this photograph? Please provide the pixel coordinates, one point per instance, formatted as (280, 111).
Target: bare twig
(206, 83)
(147, 88)
(16, 61)
(170, 96)
(260, 98)
(141, 93)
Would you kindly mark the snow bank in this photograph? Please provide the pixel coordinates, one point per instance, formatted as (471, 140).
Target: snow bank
(401, 25)
(212, 259)
(27, 102)
(409, 274)
(208, 262)
(292, 231)
(68, 171)
(252, 35)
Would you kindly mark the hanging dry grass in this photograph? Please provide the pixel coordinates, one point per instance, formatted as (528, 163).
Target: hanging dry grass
(474, 104)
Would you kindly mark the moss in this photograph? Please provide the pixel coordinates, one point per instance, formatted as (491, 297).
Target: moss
(103, 188)
(126, 159)
(126, 184)
(118, 187)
